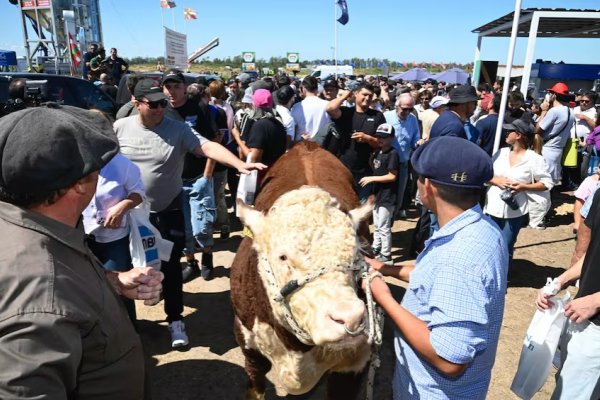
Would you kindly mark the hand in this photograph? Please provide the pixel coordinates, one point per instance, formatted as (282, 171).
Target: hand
(379, 288)
(347, 95)
(364, 181)
(141, 284)
(581, 309)
(115, 214)
(542, 301)
(247, 167)
(374, 264)
(360, 137)
(420, 142)
(502, 182)
(545, 106)
(517, 186)
(305, 136)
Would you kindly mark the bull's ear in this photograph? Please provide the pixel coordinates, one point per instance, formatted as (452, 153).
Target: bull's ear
(362, 212)
(250, 217)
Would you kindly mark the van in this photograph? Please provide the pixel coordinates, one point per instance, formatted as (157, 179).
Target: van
(325, 71)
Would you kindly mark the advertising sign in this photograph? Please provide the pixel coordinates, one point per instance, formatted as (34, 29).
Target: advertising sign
(293, 58)
(248, 56)
(175, 49)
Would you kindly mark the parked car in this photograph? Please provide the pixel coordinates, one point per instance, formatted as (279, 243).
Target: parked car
(124, 95)
(62, 89)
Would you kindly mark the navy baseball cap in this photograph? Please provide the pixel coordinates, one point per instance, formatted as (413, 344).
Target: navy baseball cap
(453, 161)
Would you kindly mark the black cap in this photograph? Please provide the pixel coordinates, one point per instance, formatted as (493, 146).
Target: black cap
(150, 89)
(463, 94)
(521, 126)
(174, 75)
(453, 161)
(330, 83)
(51, 147)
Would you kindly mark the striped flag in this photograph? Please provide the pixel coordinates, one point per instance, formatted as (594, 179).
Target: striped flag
(167, 4)
(188, 13)
(74, 50)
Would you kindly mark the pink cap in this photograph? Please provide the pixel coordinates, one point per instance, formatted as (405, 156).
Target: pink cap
(262, 98)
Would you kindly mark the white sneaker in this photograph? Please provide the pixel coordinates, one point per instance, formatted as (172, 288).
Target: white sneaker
(178, 336)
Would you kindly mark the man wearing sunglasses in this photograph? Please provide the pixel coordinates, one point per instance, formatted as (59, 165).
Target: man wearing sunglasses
(158, 145)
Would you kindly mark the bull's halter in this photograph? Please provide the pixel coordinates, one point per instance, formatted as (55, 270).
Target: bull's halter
(291, 287)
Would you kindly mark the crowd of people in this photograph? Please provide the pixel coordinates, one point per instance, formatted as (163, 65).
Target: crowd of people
(176, 147)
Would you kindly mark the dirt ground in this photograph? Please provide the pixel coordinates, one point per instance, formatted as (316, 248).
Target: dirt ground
(212, 366)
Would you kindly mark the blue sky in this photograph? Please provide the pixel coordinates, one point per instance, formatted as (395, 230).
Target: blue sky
(400, 30)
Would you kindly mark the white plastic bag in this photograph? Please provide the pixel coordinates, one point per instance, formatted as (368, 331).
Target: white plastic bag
(539, 347)
(247, 186)
(146, 245)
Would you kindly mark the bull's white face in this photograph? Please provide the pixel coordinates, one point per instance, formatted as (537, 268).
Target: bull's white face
(304, 231)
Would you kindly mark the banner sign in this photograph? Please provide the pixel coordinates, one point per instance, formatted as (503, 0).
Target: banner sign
(175, 49)
(293, 58)
(248, 56)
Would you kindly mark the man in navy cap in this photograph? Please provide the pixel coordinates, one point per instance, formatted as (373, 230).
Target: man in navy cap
(450, 317)
(64, 333)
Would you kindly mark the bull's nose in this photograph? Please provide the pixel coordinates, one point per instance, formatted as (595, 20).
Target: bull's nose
(350, 314)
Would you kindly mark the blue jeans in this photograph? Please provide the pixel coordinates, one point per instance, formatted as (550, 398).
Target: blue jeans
(115, 256)
(510, 228)
(199, 213)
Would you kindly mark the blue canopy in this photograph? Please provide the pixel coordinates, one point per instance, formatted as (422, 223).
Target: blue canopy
(414, 74)
(453, 75)
(8, 58)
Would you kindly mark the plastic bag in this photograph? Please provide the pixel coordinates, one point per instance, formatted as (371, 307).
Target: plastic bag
(146, 245)
(247, 186)
(539, 347)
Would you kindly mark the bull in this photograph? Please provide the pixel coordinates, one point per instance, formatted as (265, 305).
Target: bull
(293, 289)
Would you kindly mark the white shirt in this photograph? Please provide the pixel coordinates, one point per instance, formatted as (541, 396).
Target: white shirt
(581, 127)
(531, 168)
(310, 116)
(116, 181)
(287, 120)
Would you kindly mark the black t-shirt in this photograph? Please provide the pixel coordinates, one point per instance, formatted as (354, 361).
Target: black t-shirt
(268, 134)
(383, 163)
(197, 116)
(355, 156)
(590, 273)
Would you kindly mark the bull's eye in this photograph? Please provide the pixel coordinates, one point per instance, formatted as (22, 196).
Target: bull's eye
(283, 257)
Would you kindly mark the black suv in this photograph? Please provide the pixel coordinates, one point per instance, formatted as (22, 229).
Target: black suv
(62, 89)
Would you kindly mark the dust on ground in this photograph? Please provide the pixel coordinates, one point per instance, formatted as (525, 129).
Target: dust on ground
(212, 366)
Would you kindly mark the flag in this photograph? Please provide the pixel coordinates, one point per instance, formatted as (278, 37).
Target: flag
(167, 4)
(343, 19)
(405, 64)
(188, 13)
(74, 50)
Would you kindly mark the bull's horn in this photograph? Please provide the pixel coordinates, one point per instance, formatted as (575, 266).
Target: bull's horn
(362, 212)
(250, 217)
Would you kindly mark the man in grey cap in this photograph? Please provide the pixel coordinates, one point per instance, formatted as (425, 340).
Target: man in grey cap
(64, 333)
(158, 145)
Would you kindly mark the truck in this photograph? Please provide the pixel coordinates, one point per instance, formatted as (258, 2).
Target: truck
(325, 71)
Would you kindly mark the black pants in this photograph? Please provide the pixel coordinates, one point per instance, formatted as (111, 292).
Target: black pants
(170, 225)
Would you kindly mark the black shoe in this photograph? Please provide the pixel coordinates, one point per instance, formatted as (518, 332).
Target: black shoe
(225, 232)
(206, 273)
(190, 271)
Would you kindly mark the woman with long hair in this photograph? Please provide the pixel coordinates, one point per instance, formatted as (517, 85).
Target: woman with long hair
(517, 172)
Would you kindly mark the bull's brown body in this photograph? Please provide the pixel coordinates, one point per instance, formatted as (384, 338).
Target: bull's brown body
(305, 164)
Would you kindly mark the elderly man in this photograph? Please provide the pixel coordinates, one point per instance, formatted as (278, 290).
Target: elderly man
(449, 320)
(64, 333)
(406, 126)
(455, 120)
(158, 145)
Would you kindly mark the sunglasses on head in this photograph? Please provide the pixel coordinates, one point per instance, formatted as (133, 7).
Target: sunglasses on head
(155, 104)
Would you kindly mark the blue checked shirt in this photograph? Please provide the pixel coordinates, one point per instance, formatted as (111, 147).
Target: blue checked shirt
(458, 289)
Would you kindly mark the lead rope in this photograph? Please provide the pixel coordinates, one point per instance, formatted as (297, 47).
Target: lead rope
(376, 320)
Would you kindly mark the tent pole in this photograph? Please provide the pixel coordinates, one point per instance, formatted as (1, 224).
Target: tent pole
(507, 74)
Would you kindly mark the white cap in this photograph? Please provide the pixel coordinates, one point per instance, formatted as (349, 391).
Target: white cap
(438, 101)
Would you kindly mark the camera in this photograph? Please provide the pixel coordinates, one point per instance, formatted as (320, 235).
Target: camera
(24, 93)
(507, 196)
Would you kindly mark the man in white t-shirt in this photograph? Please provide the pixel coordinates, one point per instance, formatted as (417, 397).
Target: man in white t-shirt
(310, 114)
(585, 116)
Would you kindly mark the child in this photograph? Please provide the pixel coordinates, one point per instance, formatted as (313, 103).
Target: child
(587, 188)
(385, 170)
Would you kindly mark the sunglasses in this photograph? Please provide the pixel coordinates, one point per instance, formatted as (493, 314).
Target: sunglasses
(153, 105)
(584, 101)
(406, 109)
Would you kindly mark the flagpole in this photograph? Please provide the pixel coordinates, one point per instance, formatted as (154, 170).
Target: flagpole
(173, 14)
(162, 16)
(335, 36)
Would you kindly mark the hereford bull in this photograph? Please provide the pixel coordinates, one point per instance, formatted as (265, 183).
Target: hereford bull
(292, 287)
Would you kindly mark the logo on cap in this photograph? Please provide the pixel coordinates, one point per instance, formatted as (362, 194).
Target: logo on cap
(459, 178)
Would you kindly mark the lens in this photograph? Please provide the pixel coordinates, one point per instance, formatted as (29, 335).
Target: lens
(155, 104)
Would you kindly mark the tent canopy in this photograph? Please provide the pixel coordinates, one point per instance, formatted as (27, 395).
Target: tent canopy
(414, 74)
(452, 75)
(8, 58)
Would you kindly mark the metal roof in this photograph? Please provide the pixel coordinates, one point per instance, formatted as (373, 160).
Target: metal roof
(568, 23)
